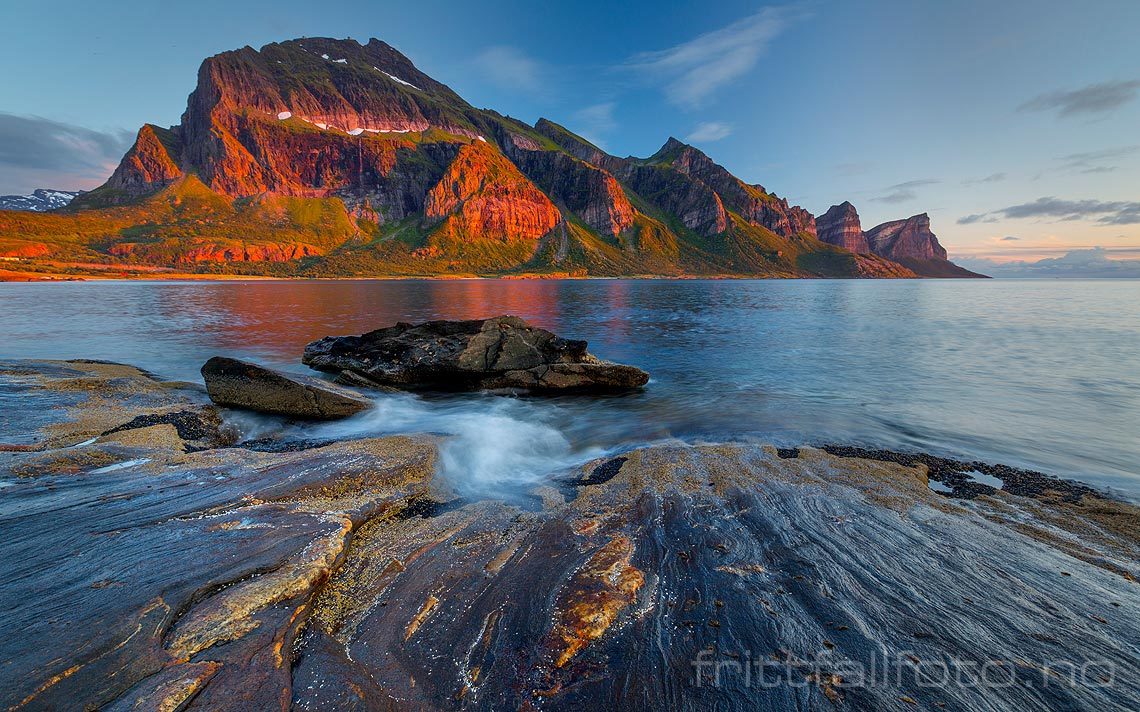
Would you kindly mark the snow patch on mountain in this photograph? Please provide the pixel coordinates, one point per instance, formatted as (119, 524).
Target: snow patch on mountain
(41, 200)
(396, 79)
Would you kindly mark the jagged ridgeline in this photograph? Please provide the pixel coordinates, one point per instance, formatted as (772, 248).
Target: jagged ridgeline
(323, 157)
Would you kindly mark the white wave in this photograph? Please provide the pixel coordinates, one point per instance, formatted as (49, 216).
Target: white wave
(490, 444)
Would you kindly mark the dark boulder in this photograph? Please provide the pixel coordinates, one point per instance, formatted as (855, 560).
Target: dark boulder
(500, 353)
(240, 384)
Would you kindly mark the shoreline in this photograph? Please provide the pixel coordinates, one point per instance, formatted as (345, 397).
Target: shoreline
(12, 276)
(225, 576)
(93, 272)
(956, 473)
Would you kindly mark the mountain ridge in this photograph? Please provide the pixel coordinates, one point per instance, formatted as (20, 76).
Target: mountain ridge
(39, 200)
(325, 157)
(908, 242)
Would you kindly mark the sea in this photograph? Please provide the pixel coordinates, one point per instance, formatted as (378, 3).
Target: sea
(1043, 374)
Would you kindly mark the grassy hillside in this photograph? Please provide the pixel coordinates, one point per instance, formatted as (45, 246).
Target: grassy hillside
(190, 228)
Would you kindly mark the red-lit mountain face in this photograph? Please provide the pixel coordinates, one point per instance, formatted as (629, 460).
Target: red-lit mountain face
(328, 157)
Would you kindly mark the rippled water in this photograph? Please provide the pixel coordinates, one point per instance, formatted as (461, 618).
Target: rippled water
(1044, 374)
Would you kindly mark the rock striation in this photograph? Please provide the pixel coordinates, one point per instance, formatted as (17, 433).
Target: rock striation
(840, 226)
(906, 239)
(909, 243)
(345, 576)
(240, 384)
(483, 196)
(504, 352)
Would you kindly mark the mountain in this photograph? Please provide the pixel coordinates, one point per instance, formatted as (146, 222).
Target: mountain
(908, 242)
(840, 226)
(324, 157)
(41, 200)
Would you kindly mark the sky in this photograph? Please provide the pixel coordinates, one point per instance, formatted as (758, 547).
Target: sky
(1014, 124)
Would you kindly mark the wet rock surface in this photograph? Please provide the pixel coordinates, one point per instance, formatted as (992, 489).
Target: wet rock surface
(500, 353)
(345, 576)
(957, 474)
(240, 384)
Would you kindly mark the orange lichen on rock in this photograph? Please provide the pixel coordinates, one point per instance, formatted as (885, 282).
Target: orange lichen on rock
(484, 195)
(418, 620)
(594, 597)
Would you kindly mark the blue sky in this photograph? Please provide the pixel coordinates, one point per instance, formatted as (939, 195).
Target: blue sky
(1015, 124)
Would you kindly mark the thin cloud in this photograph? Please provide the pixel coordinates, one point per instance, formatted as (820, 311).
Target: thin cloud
(596, 120)
(37, 152)
(1129, 215)
(903, 192)
(708, 131)
(509, 68)
(693, 71)
(898, 196)
(1105, 213)
(1093, 99)
(976, 218)
(992, 178)
(1097, 161)
(1009, 238)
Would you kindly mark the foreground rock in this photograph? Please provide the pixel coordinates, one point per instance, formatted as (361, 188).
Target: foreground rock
(500, 353)
(239, 384)
(344, 577)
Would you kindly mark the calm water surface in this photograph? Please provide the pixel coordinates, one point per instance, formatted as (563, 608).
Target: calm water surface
(1044, 374)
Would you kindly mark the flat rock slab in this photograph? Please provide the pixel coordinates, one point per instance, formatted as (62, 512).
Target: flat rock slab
(484, 354)
(729, 578)
(342, 577)
(240, 384)
(49, 405)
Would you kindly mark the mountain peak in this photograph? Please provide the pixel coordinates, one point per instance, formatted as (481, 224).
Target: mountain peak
(317, 151)
(40, 200)
(840, 226)
(910, 238)
(672, 148)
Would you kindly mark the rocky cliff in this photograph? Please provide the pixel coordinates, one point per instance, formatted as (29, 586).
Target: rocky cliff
(152, 163)
(910, 239)
(482, 195)
(908, 242)
(327, 157)
(751, 202)
(840, 226)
